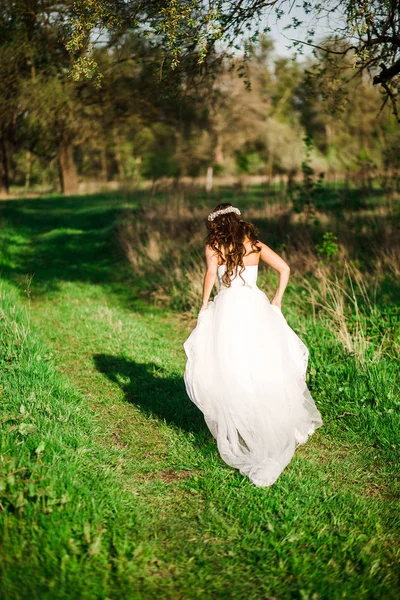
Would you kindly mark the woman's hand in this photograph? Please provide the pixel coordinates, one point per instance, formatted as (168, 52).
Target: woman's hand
(203, 307)
(277, 302)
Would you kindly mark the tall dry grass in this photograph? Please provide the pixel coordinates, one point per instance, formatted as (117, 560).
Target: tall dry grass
(342, 299)
(166, 250)
(167, 253)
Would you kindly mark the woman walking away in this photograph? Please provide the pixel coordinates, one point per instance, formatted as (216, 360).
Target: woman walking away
(245, 366)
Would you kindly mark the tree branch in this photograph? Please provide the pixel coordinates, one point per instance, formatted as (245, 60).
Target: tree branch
(328, 50)
(387, 73)
(384, 39)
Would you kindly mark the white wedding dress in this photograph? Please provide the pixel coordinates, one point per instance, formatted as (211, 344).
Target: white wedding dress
(246, 372)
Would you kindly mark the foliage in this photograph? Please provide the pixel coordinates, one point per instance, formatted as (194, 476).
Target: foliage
(328, 248)
(365, 34)
(149, 120)
(369, 32)
(182, 29)
(305, 195)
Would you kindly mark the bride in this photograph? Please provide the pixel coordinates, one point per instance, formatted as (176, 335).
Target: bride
(245, 366)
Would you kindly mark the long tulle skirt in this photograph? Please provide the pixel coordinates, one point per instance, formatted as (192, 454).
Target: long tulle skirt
(246, 372)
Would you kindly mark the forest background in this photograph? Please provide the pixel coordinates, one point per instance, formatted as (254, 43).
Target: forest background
(140, 117)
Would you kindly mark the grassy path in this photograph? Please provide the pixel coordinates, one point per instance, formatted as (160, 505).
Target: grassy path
(128, 365)
(201, 522)
(189, 527)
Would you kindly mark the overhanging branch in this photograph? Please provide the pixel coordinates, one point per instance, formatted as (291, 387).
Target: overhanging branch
(387, 73)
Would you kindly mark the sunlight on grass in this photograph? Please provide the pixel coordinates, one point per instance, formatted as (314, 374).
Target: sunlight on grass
(110, 484)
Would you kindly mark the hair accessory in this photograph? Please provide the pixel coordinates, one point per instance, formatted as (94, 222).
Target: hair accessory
(223, 211)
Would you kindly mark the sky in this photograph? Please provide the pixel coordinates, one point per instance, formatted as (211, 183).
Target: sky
(281, 37)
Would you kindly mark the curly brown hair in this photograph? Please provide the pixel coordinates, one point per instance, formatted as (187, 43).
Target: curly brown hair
(226, 236)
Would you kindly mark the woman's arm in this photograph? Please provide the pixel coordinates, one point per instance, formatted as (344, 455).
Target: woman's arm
(272, 259)
(209, 278)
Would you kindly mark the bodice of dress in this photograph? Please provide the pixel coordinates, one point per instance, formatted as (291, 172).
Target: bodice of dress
(248, 276)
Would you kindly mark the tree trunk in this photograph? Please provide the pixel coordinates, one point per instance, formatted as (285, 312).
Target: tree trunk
(104, 163)
(68, 174)
(118, 155)
(4, 170)
(219, 153)
(28, 165)
(270, 167)
(209, 179)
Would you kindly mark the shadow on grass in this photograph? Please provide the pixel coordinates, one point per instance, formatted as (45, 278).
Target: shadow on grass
(158, 394)
(58, 239)
(75, 238)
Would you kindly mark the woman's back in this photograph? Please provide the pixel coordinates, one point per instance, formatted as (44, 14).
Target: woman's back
(248, 276)
(249, 259)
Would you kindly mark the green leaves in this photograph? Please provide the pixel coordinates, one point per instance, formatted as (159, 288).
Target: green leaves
(328, 248)
(305, 194)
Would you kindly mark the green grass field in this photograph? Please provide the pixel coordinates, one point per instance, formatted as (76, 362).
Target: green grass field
(110, 483)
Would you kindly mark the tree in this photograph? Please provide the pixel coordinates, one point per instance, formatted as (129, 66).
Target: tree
(155, 115)
(14, 65)
(370, 30)
(36, 77)
(53, 107)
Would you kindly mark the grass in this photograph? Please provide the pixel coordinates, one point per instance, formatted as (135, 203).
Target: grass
(111, 485)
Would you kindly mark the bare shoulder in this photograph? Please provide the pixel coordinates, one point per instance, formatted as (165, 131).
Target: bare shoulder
(250, 246)
(264, 247)
(210, 251)
(261, 245)
(271, 258)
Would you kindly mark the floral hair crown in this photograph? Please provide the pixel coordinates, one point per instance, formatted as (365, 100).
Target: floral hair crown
(223, 211)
